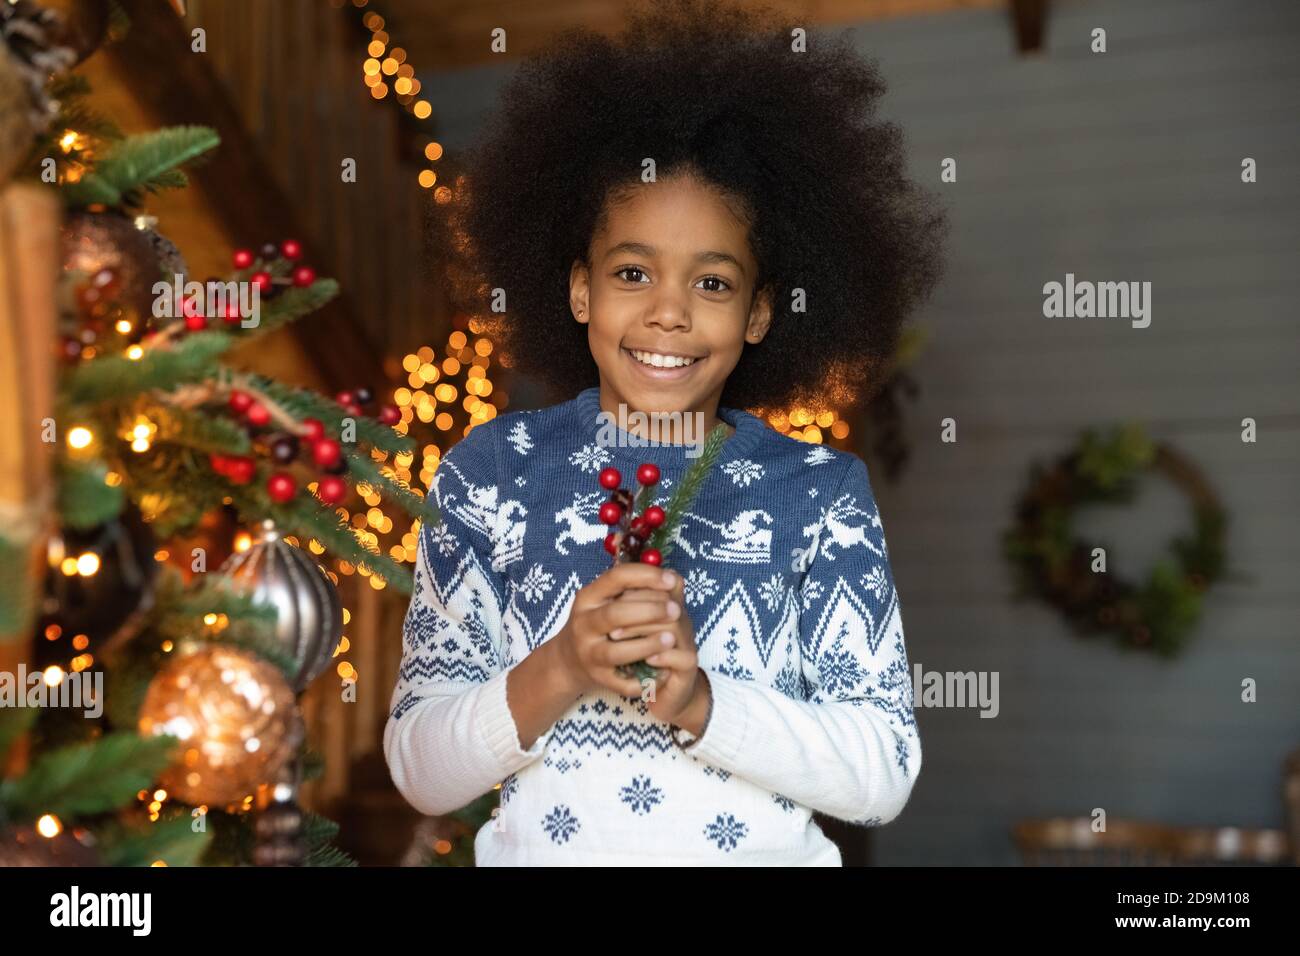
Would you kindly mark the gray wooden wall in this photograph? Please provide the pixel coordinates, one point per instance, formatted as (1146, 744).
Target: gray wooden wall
(1115, 166)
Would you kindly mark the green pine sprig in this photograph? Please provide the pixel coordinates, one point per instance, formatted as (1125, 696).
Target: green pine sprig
(684, 494)
(145, 162)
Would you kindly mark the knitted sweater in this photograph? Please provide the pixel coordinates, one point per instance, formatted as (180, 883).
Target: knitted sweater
(788, 586)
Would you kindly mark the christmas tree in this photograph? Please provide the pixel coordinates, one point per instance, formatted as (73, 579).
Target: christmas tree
(179, 740)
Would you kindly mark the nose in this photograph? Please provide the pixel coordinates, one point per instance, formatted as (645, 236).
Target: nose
(669, 312)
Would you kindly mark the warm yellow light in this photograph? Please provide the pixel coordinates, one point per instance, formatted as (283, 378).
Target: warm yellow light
(456, 340)
(243, 541)
(371, 67)
(80, 437)
(68, 566)
(410, 362)
(389, 66)
(112, 479)
(88, 564)
(134, 352)
(167, 647)
(68, 141)
(442, 195)
(49, 826)
(209, 619)
(402, 85)
(451, 366)
(80, 642)
(379, 91)
(53, 675)
(433, 152)
(427, 178)
(123, 326)
(443, 422)
(374, 49)
(53, 632)
(825, 419)
(840, 429)
(346, 670)
(422, 109)
(140, 444)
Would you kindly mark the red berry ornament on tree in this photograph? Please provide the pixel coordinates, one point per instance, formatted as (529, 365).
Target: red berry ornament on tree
(240, 469)
(610, 478)
(648, 474)
(654, 517)
(652, 556)
(263, 281)
(281, 487)
(611, 513)
(243, 258)
(389, 415)
(304, 276)
(258, 414)
(325, 452)
(312, 429)
(332, 489)
(291, 249)
(240, 402)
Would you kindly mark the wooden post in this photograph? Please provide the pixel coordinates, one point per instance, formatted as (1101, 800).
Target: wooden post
(30, 216)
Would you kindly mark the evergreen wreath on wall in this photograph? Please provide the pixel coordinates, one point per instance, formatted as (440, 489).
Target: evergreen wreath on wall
(1070, 573)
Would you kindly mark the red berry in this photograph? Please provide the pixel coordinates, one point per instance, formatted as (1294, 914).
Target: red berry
(313, 430)
(609, 542)
(304, 276)
(263, 281)
(611, 513)
(610, 478)
(343, 398)
(219, 463)
(291, 248)
(281, 487)
(638, 525)
(354, 410)
(332, 489)
(240, 402)
(648, 474)
(240, 469)
(196, 323)
(232, 312)
(654, 516)
(257, 414)
(243, 258)
(325, 452)
(652, 556)
(191, 306)
(389, 415)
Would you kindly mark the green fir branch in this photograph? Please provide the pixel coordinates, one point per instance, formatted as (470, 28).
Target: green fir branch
(306, 404)
(174, 841)
(191, 360)
(686, 490)
(290, 305)
(83, 500)
(88, 778)
(206, 432)
(329, 856)
(364, 468)
(145, 161)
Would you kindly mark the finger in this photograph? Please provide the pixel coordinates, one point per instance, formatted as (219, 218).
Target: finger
(639, 630)
(674, 659)
(620, 614)
(631, 574)
(616, 653)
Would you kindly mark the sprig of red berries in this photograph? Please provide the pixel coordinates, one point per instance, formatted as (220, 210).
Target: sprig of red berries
(629, 531)
(308, 443)
(274, 268)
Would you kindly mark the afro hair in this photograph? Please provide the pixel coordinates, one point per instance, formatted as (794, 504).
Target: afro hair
(718, 91)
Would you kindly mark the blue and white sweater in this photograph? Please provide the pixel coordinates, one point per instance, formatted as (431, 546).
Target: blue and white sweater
(797, 622)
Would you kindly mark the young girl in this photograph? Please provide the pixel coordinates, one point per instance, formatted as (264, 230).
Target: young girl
(696, 218)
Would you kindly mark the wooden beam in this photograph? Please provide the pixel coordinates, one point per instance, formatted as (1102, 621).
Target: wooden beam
(179, 87)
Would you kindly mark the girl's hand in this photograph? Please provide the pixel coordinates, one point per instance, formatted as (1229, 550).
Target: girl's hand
(679, 695)
(588, 658)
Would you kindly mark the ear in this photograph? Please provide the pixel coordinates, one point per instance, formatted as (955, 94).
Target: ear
(760, 317)
(580, 291)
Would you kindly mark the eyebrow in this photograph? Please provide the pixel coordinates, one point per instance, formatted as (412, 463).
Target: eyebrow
(641, 249)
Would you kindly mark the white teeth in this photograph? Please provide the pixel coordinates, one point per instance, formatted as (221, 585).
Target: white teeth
(661, 361)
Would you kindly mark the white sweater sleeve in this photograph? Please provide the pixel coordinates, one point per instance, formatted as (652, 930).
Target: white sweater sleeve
(450, 736)
(850, 749)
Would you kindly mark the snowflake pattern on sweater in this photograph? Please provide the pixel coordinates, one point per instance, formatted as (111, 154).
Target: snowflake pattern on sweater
(797, 623)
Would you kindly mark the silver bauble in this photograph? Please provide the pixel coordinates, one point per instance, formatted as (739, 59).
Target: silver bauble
(309, 624)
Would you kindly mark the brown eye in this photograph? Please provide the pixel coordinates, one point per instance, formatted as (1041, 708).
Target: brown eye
(723, 284)
(622, 273)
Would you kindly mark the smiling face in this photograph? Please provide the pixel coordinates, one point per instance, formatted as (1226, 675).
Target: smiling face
(668, 299)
